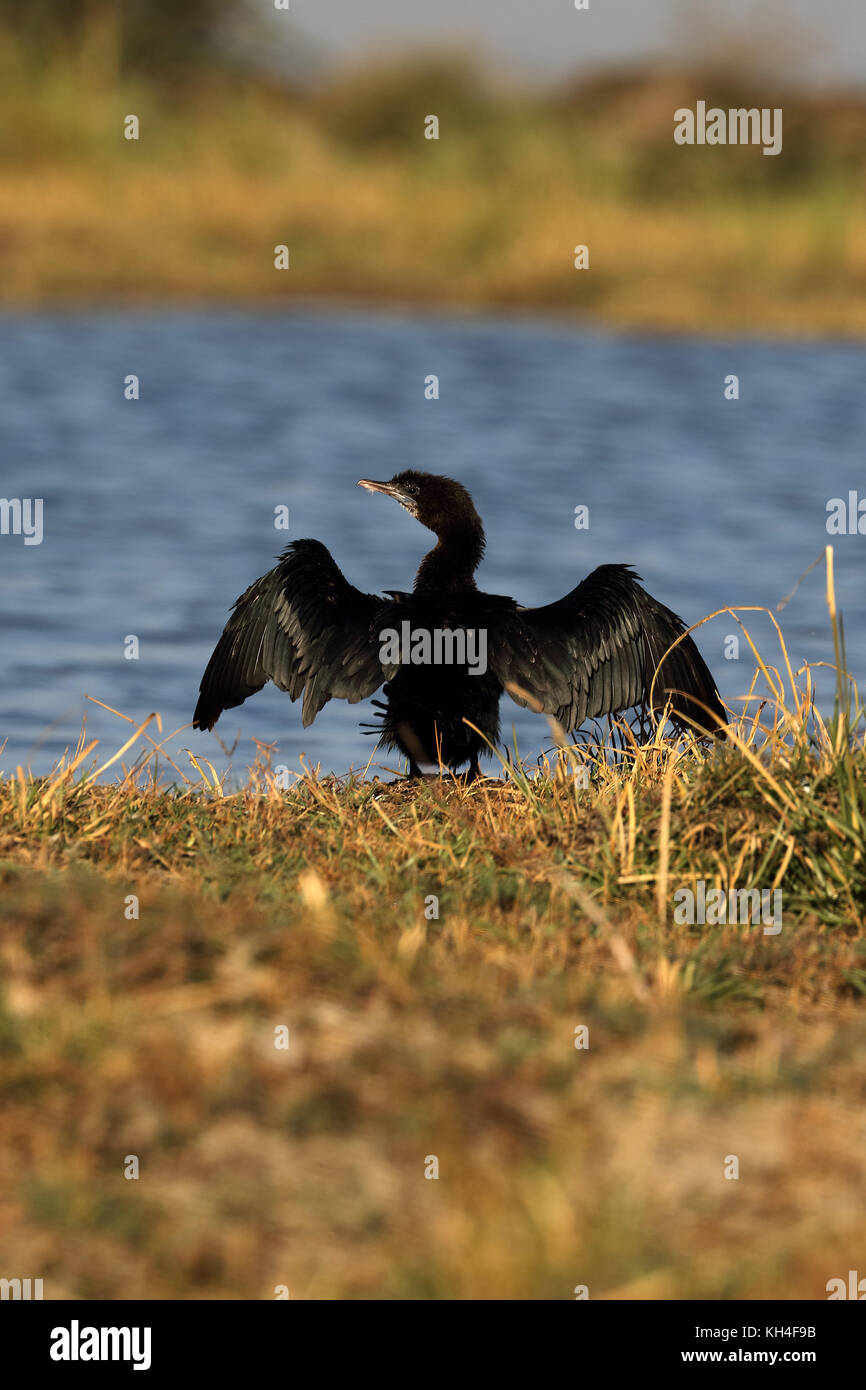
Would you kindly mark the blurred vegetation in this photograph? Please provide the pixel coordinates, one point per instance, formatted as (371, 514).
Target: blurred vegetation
(232, 161)
(158, 37)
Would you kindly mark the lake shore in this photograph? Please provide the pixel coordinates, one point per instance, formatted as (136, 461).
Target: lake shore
(757, 271)
(460, 1033)
(679, 239)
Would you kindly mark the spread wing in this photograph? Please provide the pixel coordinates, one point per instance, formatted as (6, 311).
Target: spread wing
(596, 651)
(302, 626)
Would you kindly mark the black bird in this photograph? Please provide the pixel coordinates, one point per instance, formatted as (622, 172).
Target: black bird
(594, 652)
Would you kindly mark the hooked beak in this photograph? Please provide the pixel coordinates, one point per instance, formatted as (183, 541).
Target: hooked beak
(387, 488)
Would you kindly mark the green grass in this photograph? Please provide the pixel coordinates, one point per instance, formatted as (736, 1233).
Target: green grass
(452, 1036)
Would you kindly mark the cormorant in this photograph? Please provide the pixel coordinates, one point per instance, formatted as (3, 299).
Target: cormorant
(594, 652)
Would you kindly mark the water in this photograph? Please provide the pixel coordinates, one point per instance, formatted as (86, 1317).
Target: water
(158, 513)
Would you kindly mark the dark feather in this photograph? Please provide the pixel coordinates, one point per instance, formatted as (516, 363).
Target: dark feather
(595, 652)
(302, 626)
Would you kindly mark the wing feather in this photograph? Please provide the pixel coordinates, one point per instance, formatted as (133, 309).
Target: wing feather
(302, 626)
(595, 652)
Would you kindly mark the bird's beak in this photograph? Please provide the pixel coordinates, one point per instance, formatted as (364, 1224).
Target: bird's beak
(387, 488)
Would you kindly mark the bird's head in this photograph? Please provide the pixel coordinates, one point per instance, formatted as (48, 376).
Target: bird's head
(441, 504)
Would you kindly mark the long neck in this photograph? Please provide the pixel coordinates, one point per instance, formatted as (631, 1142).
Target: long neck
(450, 566)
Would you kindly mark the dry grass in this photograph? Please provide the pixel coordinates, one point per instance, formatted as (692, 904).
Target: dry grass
(413, 1036)
(488, 216)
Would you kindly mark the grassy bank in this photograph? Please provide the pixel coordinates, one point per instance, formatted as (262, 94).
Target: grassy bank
(228, 166)
(413, 1035)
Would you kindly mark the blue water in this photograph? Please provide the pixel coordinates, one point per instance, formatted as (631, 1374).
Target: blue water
(159, 512)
